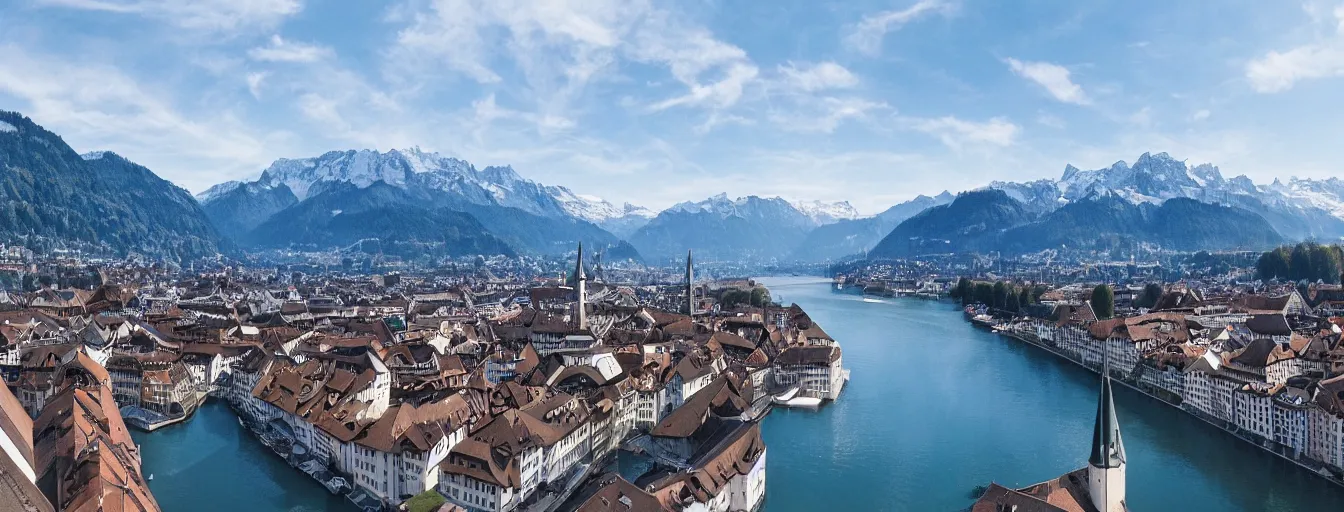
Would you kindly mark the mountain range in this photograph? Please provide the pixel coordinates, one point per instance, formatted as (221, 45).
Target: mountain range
(414, 202)
(1299, 209)
(294, 201)
(99, 201)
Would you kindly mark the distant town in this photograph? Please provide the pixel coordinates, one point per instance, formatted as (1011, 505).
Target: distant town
(477, 387)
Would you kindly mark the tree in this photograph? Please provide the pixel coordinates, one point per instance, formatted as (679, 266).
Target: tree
(1000, 294)
(1024, 297)
(962, 291)
(760, 297)
(1012, 303)
(984, 293)
(1325, 264)
(1103, 301)
(1273, 265)
(1152, 292)
(733, 297)
(1299, 263)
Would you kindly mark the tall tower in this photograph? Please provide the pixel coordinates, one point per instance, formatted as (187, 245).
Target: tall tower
(690, 285)
(1106, 465)
(580, 281)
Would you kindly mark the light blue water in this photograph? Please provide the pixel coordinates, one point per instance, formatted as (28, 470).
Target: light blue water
(210, 463)
(936, 408)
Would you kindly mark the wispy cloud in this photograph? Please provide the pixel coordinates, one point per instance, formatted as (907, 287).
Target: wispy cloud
(254, 83)
(95, 106)
(563, 47)
(867, 35)
(811, 77)
(1278, 71)
(958, 133)
(824, 114)
(211, 15)
(280, 50)
(1053, 77)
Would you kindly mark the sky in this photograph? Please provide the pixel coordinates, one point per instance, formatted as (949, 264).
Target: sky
(656, 102)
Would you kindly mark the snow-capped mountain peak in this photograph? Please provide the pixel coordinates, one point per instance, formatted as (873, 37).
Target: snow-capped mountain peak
(822, 212)
(1298, 208)
(414, 167)
(218, 190)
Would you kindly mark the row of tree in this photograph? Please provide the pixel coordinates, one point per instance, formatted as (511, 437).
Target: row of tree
(1008, 296)
(756, 297)
(1305, 261)
(1003, 295)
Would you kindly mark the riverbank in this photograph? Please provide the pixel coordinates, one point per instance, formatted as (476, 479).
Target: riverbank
(211, 463)
(1263, 444)
(939, 407)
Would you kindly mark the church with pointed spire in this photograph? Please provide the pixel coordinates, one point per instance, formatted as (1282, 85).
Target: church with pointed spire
(1099, 487)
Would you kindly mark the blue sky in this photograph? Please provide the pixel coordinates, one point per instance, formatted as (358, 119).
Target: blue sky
(872, 101)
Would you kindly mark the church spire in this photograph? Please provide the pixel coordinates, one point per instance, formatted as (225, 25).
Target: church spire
(690, 285)
(580, 283)
(1106, 465)
(1108, 451)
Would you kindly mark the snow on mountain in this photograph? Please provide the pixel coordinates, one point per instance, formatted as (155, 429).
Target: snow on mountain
(6, 127)
(413, 168)
(1327, 194)
(750, 207)
(1298, 209)
(594, 209)
(217, 190)
(822, 212)
(93, 155)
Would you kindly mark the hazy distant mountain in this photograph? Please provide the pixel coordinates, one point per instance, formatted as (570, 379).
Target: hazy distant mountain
(99, 199)
(823, 213)
(629, 220)
(532, 218)
(990, 220)
(428, 216)
(1108, 221)
(413, 169)
(970, 223)
(343, 215)
(1300, 209)
(244, 206)
(853, 236)
(750, 227)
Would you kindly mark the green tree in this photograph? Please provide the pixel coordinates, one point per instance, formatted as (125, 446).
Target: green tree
(984, 293)
(1012, 303)
(962, 291)
(1000, 295)
(1299, 263)
(1152, 292)
(1103, 301)
(1273, 264)
(1024, 297)
(1325, 264)
(760, 297)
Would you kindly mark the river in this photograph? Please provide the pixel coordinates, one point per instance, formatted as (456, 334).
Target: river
(211, 463)
(934, 409)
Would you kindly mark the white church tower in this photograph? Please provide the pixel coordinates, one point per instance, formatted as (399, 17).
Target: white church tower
(1106, 465)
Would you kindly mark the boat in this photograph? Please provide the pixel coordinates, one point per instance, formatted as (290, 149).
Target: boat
(150, 477)
(983, 321)
(790, 398)
(870, 299)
